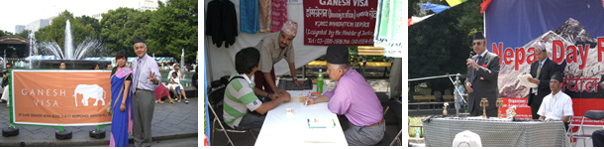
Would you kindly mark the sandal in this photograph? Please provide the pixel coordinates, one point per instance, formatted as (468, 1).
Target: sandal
(172, 102)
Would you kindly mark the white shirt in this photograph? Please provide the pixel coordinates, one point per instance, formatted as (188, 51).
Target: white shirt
(554, 107)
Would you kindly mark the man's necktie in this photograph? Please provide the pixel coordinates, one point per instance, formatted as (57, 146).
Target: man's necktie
(538, 69)
(478, 60)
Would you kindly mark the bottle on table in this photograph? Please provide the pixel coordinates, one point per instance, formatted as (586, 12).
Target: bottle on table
(320, 81)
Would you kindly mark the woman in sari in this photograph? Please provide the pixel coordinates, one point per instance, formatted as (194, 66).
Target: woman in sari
(121, 102)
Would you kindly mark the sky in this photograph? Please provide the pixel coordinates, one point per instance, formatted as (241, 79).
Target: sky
(23, 12)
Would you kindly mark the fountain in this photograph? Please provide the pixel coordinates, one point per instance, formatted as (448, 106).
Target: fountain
(72, 58)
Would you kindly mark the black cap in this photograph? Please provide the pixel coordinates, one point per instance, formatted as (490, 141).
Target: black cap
(478, 35)
(558, 76)
(137, 40)
(337, 54)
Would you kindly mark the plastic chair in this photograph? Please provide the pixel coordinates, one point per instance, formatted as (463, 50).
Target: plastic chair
(591, 114)
(217, 117)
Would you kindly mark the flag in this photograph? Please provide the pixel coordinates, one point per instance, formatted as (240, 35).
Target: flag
(434, 7)
(454, 3)
(484, 5)
(415, 19)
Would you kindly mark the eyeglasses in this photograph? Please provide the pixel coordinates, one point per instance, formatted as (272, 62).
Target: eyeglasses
(476, 43)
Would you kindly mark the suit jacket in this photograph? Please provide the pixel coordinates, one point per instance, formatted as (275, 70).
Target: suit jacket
(221, 22)
(545, 75)
(484, 84)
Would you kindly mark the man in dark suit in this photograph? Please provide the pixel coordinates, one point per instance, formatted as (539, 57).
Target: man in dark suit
(541, 71)
(483, 70)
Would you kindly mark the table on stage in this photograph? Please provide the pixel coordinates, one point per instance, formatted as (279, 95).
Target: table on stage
(494, 132)
(281, 129)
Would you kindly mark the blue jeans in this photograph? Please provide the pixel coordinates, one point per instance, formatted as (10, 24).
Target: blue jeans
(177, 90)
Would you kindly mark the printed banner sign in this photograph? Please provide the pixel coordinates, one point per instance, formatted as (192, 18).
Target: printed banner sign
(61, 98)
(344, 22)
(573, 37)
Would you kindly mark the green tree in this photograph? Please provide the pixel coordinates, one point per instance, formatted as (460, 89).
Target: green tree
(87, 20)
(441, 43)
(24, 34)
(5, 33)
(174, 27)
(120, 26)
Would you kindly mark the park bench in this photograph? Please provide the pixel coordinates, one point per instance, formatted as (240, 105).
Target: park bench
(372, 51)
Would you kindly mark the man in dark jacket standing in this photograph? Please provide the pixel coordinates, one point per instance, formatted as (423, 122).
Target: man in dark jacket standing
(541, 71)
(483, 70)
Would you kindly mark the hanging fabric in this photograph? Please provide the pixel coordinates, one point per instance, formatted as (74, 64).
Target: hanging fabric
(279, 14)
(248, 16)
(389, 27)
(265, 11)
(221, 22)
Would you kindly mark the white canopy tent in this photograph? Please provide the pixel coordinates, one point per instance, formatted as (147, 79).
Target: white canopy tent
(221, 61)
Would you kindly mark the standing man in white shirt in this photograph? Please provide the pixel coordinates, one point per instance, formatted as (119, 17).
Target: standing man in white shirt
(556, 105)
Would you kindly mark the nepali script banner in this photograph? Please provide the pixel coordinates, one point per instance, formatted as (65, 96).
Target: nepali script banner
(61, 98)
(573, 34)
(344, 22)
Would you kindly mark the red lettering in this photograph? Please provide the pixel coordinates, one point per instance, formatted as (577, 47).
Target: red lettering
(498, 51)
(532, 57)
(583, 52)
(571, 88)
(558, 57)
(509, 54)
(589, 86)
(572, 56)
(519, 58)
(600, 48)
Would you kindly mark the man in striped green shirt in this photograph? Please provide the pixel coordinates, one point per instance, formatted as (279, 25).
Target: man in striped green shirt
(240, 94)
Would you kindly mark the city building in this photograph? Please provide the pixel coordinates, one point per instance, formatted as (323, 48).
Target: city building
(147, 5)
(35, 25)
(19, 28)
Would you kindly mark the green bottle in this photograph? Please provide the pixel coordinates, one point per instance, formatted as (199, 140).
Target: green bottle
(320, 82)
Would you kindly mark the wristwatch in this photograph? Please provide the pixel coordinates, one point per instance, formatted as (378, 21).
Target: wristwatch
(268, 93)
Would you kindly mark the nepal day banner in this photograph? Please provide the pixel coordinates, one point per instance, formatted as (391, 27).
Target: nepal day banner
(344, 22)
(573, 33)
(60, 98)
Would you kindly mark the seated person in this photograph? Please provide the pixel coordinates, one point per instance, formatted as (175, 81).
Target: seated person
(556, 105)
(175, 87)
(354, 98)
(5, 84)
(239, 94)
(181, 90)
(162, 92)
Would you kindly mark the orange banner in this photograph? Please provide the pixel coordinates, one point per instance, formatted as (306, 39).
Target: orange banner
(61, 98)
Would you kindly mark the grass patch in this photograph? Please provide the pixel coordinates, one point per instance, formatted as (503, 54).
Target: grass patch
(415, 121)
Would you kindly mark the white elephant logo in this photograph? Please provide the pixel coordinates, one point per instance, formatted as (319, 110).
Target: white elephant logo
(89, 91)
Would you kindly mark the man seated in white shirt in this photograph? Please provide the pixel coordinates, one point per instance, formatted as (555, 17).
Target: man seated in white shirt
(556, 105)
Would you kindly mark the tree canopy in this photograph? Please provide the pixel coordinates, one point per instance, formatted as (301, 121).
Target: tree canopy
(441, 44)
(173, 28)
(167, 30)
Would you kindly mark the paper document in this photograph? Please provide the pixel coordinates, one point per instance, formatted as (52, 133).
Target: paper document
(525, 82)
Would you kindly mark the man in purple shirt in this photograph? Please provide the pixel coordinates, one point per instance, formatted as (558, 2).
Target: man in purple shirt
(146, 78)
(354, 98)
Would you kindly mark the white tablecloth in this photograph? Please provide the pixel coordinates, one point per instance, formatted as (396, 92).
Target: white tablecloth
(280, 129)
